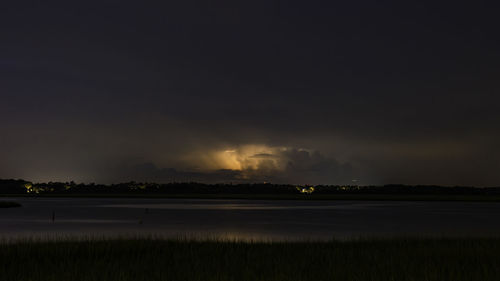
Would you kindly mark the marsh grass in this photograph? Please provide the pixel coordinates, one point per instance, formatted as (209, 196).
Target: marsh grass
(9, 204)
(160, 259)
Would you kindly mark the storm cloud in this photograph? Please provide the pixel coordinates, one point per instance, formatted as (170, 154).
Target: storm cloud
(380, 93)
(284, 166)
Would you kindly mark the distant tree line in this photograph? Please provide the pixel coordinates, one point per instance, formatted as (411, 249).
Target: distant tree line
(11, 186)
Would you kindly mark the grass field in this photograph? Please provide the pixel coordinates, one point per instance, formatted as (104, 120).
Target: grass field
(152, 259)
(8, 204)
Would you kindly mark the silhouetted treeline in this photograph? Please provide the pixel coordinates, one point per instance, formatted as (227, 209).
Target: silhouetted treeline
(26, 187)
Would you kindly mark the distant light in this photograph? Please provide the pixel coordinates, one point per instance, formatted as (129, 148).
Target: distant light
(305, 190)
(29, 187)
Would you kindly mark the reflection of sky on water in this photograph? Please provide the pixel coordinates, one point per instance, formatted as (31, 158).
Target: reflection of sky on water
(241, 206)
(245, 219)
(59, 221)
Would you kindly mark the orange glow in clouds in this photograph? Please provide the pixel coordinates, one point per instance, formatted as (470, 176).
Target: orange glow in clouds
(246, 157)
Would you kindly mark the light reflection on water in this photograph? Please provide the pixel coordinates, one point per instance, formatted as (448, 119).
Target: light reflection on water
(245, 219)
(241, 206)
(59, 221)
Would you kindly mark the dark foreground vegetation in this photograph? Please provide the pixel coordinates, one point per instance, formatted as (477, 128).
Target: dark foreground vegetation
(249, 191)
(150, 259)
(8, 204)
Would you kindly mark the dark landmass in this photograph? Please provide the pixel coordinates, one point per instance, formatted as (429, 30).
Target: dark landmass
(365, 197)
(430, 259)
(250, 191)
(8, 204)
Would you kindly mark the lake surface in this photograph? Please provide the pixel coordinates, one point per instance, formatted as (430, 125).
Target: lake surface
(246, 219)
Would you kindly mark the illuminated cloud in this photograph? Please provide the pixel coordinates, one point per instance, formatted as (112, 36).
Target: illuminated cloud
(245, 157)
(248, 163)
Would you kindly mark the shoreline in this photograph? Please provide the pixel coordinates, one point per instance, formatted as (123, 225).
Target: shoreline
(302, 197)
(9, 204)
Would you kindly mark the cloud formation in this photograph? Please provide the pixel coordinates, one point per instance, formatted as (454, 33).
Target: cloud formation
(277, 165)
(209, 93)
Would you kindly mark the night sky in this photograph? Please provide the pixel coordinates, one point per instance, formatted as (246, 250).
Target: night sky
(317, 92)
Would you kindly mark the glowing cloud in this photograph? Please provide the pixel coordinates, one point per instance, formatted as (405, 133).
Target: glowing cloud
(246, 157)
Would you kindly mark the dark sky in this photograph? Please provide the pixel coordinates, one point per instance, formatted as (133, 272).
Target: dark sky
(283, 91)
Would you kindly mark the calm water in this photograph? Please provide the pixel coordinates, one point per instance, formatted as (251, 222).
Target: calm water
(247, 219)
